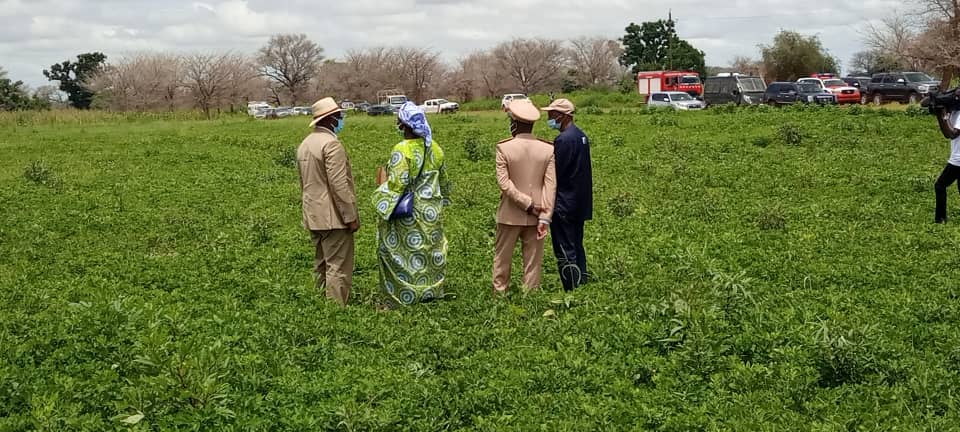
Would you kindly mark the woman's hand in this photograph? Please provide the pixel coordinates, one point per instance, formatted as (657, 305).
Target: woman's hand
(381, 175)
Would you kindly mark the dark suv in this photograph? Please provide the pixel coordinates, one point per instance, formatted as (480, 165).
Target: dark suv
(909, 87)
(785, 93)
(860, 82)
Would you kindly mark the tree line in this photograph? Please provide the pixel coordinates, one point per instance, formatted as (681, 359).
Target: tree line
(291, 69)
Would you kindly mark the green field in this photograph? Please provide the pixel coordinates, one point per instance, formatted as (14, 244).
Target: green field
(755, 270)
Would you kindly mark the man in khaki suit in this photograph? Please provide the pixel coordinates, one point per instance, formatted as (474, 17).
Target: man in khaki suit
(528, 186)
(329, 200)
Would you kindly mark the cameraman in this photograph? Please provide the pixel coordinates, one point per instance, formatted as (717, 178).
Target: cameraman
(948, 117)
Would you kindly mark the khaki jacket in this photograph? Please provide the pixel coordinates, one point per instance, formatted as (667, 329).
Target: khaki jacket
(329, 195)
(527, 175)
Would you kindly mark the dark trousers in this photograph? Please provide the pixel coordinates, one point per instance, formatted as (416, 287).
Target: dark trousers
(568, 248)
(949, 175)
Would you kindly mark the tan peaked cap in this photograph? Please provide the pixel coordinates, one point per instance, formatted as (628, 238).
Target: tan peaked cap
(322, 108)
(562, 106)
(524, 111)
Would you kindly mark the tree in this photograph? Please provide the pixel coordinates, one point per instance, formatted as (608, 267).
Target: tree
(873, 61)
(14, 96)
(937, 46)
(793, 55)
(290, 61)
(141, 81)
(747, 65)
(417, 69)
(655, 45)
(73, 77)
(208, 78)
(594, 61)
(532, 64)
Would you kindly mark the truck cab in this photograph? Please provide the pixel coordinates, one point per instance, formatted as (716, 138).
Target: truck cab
(664, 81)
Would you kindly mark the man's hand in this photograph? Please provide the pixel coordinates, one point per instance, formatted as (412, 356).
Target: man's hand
(354, 226)
(534, 210)
(542, 230)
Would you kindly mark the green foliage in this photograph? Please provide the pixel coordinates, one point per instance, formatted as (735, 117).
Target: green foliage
(477, 151)
(792, 56)
(73, 77)
(762, 141)
(166, 285)
(790, 134)
(39, 173)
(14, 96)
(916, 111)
(654, 45)
(622, 205)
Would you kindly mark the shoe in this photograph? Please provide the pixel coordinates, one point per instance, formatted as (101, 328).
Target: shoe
(940, 221)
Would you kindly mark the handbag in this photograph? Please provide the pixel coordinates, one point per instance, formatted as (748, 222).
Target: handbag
(404, 206)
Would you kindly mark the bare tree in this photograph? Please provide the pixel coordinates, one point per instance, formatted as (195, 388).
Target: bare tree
(938, 45)
(418, 70)
(140, 81)
(747, 65)
(532, 64)
(892, 38)
(290, 61)
(207, 77)
(595, 61)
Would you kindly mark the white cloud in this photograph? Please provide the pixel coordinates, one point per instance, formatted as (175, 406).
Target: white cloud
(37, 33)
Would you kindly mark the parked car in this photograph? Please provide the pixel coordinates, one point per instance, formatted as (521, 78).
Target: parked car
(284, 112)
(840, 89)
(441, 106)
(908, 87)
(304, 111)
(395, 101)
(857, 81)
(786, 93)
(266, 113)
(346, 105)
(507, 98)
(361, 106)
(733, 88)
(376, 110)
(254, 107)
(674, 99)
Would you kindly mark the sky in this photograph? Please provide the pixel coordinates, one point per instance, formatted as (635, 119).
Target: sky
(37, 33)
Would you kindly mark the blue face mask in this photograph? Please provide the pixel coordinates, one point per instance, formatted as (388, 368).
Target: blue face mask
(553, 124)
(339, 126)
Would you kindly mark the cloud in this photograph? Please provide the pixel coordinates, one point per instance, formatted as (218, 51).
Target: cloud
(37, 33)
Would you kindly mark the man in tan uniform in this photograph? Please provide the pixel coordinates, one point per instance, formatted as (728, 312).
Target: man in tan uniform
(528, 186)
(329, 200)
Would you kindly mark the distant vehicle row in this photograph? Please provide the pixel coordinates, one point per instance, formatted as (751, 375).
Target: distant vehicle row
(388, 106)
(662, 88)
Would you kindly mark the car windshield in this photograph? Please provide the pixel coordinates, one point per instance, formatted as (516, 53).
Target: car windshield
(680, 97)
(917, 77)
(398, 99)
(809, 87)
(442, 101)
(690, 80)
(834, 82)
(752, 84)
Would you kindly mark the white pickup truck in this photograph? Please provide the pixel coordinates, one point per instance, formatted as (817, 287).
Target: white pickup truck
(440, 106)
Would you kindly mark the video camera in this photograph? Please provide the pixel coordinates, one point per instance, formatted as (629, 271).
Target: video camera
(948, 100)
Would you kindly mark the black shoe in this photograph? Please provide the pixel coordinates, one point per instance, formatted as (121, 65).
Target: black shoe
(940, 221)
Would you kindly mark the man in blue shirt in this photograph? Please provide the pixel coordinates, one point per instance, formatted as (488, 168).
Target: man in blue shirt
(574, 204)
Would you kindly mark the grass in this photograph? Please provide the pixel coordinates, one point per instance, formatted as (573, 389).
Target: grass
(740, 283)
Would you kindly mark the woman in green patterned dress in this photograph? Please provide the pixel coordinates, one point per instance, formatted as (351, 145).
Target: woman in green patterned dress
(412, 250)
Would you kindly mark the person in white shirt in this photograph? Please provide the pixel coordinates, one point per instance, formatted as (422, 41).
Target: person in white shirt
(950, 127)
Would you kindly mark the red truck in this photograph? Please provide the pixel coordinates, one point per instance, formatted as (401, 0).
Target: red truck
(662, 81)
